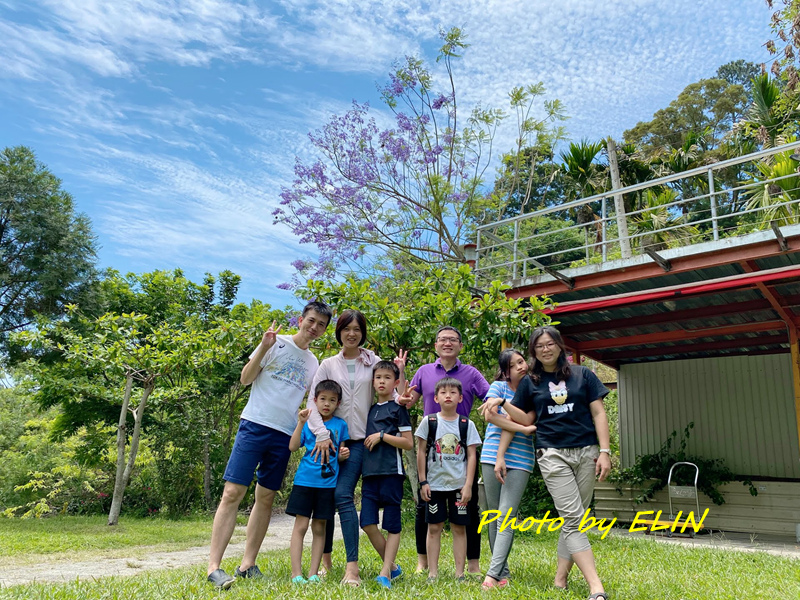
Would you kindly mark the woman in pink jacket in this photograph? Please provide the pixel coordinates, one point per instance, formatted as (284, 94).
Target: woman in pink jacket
(352, 369)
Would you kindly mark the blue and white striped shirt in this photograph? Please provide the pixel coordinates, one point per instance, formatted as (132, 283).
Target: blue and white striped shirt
(520, 451)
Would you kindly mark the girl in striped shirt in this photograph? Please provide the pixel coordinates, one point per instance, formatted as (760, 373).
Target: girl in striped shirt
(507, 463)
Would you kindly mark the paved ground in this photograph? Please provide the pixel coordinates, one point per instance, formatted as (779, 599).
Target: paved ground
(280, 532)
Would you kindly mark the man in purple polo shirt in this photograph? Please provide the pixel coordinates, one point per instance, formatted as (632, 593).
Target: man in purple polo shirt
(448, 346)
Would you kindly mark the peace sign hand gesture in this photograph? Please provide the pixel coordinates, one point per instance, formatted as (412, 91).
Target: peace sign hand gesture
(270, 335)
(400, 359)
(406, 399)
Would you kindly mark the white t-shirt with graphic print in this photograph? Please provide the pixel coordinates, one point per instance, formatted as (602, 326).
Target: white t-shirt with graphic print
(447, 468)
(279, 389)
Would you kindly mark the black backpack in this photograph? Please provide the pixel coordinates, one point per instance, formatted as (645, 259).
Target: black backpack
(463, 428)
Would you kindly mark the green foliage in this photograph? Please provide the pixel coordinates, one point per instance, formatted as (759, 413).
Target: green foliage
(653, 226)
(186, 352)
(650, 471)
(709, 104)
(406, 315)
(778, 197)
(739, 72)
(47, 251)
(773, 116)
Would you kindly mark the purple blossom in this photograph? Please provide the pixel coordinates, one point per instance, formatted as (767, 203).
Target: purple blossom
(285, 286)
(438, 102)
(299, 264)
(404, 123)
(294, 321)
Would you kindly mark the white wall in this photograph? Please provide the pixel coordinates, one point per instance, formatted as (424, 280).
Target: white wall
(742, 407)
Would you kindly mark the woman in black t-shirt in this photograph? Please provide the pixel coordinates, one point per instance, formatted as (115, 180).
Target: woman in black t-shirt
(566, 402)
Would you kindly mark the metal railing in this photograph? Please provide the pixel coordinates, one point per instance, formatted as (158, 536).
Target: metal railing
(724, 199)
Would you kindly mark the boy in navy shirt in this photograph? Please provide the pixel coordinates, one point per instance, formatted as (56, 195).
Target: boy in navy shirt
(314, 484)
(388, 434)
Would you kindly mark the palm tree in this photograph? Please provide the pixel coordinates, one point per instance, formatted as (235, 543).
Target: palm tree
(651, 227)
(583, 177)
(780, 183)
(765, 116)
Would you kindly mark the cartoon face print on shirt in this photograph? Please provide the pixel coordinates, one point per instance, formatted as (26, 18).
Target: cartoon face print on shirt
(448, 447)
(558, 392)
(448, 444)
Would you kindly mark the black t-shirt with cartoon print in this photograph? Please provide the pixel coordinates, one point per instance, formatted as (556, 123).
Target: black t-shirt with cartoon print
(563, 417)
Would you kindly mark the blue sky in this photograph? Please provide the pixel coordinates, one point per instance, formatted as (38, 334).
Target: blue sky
(175, 124)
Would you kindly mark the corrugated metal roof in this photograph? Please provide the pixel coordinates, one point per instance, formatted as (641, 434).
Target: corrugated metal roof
(749, 319)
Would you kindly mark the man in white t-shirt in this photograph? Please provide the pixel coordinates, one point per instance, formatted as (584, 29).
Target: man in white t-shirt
(281, 369)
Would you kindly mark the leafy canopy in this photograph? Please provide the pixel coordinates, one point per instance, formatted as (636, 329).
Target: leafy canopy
(47, 250)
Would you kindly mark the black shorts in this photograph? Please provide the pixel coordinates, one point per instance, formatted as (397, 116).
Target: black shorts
(386, 492)
(311, 502)
(442, 507)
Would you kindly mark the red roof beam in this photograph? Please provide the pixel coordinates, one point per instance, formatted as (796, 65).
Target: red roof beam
(670, 316)
(744, 343)
(676, 291)
(678, 336)
(694, 262)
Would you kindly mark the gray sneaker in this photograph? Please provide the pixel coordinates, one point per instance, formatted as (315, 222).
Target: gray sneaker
(221, 579)
(252, 573)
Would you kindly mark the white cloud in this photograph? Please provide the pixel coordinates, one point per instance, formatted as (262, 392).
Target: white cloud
(179, 175)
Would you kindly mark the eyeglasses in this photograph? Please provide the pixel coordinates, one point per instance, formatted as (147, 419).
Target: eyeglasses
(540, 347)
(452, 340)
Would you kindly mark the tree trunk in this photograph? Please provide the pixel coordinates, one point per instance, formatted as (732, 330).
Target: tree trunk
(619, 205)
(206, 470)
(411, 464)
(122, 429)
(122, 480)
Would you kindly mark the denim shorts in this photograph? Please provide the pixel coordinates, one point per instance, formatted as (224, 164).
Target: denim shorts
(258, 449)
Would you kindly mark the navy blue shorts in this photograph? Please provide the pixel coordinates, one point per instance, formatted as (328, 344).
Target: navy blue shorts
(258, 449)
(442, 507)
(382, 491)
(311, 502)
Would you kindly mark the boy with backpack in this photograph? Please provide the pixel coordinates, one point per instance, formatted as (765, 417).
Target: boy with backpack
(446, 460)
(388, 434)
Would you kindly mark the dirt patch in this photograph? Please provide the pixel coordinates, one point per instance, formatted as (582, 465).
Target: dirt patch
(47, 570)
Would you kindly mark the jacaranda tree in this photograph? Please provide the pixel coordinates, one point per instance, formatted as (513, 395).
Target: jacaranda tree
(409, 189)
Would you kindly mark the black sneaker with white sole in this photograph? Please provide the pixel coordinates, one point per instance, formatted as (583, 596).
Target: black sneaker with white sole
(252, 573)
(221, 579)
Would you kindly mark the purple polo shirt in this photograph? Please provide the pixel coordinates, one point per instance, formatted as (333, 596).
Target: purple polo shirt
(473, 385)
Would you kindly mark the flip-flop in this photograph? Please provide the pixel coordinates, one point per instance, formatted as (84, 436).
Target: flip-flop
(496, 583)
(353, 583)
(598, 595)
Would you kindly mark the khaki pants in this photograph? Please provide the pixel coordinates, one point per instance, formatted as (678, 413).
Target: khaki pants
(569, 476)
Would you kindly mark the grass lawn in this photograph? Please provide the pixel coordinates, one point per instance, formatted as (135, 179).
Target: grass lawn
(81, 538)
(631, 570)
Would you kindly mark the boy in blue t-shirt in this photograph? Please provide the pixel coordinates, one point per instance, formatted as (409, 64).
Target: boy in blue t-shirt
(314, 483)
(388, 433)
